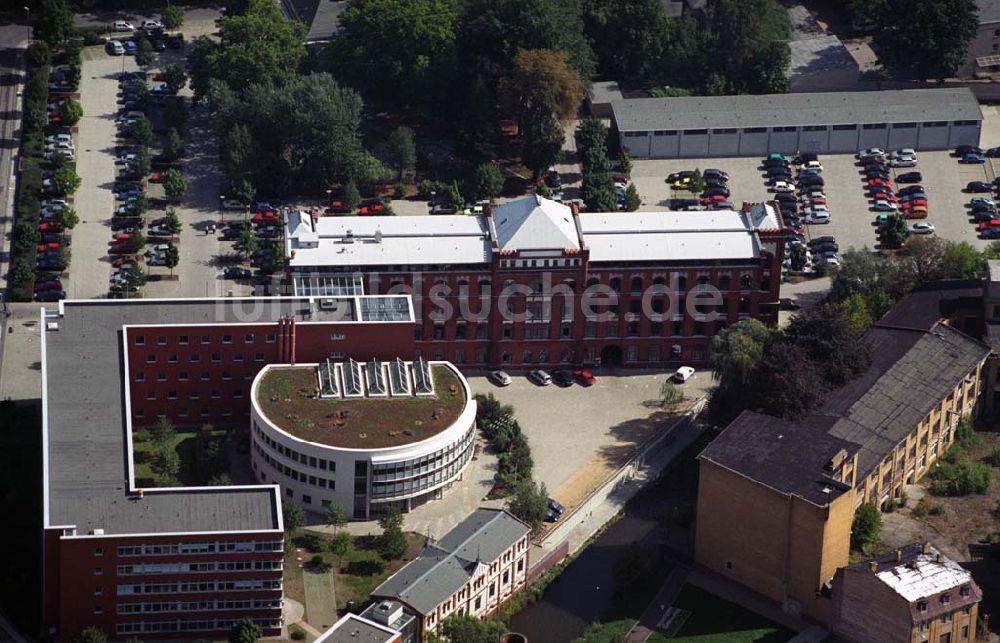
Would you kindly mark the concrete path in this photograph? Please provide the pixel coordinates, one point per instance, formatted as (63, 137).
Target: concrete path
(321, 601)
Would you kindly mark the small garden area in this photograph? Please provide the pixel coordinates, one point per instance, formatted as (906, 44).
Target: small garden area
(706, 618)
(165, 456)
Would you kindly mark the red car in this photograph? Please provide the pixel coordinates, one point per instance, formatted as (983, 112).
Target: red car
(371, 210)
(51, 284)
(52, 245)
(339, 207)
(879, 183)
(55, 118)
(157, 177)
(123, 248)
(585, 378)
(987, 225)
(50, 226)
(122, 236)
(886, 196)
(261, 217)
(715, 198)
(906, 205)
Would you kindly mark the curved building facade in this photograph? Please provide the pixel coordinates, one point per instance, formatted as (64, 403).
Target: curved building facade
(364, 436)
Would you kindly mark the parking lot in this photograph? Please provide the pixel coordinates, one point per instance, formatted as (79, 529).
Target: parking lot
(200, 268)
(580, 435)
(852, 216)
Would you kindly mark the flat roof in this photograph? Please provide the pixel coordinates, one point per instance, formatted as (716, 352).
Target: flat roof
(675, 236)
(605, 91)
(284, 395)
(989, 11)
(374, 241)
(352, 628)
(87, 455)
(783, 110)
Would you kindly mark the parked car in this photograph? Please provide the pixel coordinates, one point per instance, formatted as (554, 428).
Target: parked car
(783, 186)
(903, 161)
(235, 272)
(552, 178)
(909, 177)
(871, 151)
(115, 48)
(500, 378)
(982, 200)
(584, 377)
(979, 186)
(817, 218)
(712, 173)
(812, 165)
(562, 377)
(130, 47)
(152, 24)
(972, 157)
(682, 374)
(962, 150)
(540, 377)
(993, 152)
(911, 189)
(921, 227)
(677, 176)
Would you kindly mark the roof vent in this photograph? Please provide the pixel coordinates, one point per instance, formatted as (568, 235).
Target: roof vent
(51, 325)
(349, 236)
(378, 235)
(827, 490)
(97, 532)
(327, 304)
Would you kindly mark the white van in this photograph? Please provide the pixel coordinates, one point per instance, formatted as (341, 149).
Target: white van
(122, 25)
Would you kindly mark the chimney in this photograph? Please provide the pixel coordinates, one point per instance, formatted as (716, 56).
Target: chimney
(940, 557)
(488, 209)
(574, 207)
(899, 555)
(873, 565)
(926, 548)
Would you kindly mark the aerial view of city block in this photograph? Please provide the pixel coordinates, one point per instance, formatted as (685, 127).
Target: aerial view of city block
(500, 321)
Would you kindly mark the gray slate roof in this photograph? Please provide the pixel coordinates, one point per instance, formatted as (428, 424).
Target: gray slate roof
(911, 372)
(783, 455)
(989, 11)
(83, 414)
(780, 110)
(444, 567)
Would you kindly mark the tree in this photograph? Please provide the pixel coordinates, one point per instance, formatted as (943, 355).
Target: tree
(336, 517)
(200, 65)
(943, 27)
(144, 54)
(479, 136)
(697, 184)
(670, 394)
(963, 261)
(866, 528)
(258, 46)
(543, 140)
(141, 131)
(895, 232)
(175, 113)
(865, 272)
(592, 144)
(797, 255)
(71, 111)
(65, 181)
(530, 502)
(632, 200)
(293, 516)
(245, 630)
(166, 464)
(135, 277)
(351, 195)
(92, 634)
(469, 629)
(788, 383)
(631, 38)
(487, 181)
(736, 350)
(294, 149)
(172, 16)
(68, 218)
(173, 222)
(402, 150)
(220, 480)
(397, 51)
(856, 311)
(175, 77)
(392, 542)
(598, 192)
(246, 242)
(624, 161)
(163, 432)
(174, 148)
(38, 54)
(53, 21)
(340, 545)
(171, 258)
(829, 339)
(174, 184)
(745, 47)
(542, 83)
(141, 164)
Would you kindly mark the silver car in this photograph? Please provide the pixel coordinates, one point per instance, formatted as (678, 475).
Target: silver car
(500, 378)
(540, 377)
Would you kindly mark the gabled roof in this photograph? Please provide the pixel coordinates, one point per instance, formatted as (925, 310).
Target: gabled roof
(443, 567)
(534, 223)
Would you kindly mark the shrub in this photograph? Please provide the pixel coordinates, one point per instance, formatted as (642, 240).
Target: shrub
(312, 542)
(961, 478)
(399, 191)
(937, 509)
(297, 633)
(71, 111)
(994, 458)
(866, 528)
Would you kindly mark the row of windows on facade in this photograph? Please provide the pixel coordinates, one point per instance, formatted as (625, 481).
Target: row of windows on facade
(185, 340)
(384, 490)
(309, 460)
(195, 358)
(804, 128)
(184, 412)
(445, 608)
(200, 625)
(591, 329)
(418, 466)
(163, 549)
(289, 472)
(197, 606)
(636, 283)
(200, 587)
(191, 568)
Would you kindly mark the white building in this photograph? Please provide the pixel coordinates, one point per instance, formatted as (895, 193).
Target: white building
(362, 435)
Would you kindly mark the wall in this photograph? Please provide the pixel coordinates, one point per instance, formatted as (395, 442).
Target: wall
(91, 598)
(985, 43)
(866, 610)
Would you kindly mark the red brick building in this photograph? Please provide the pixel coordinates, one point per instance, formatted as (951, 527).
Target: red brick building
(184, 562)
(534, 282)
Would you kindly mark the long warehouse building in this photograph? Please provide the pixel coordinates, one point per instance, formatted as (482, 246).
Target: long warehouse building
(833, 123)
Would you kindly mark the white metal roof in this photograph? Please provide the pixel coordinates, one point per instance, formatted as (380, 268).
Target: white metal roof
(669, 236)
(534, 223)
(924, 576)
(366, 241)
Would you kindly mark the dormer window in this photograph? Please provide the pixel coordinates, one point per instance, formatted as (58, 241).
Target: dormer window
(945, 599)
(922, 606)
(966, 591)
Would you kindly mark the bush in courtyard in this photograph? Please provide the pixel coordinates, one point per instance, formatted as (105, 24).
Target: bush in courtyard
(867, 528)
(961, 478)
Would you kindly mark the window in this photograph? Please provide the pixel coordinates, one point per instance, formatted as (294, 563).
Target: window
(151, 358)
(754, 130)
(140, 340)
(227, 339)
(161, 340)
(844, 128)
(724, 130)
(248, 338)
(695, 132)
(99, 551)
(140, 377)
(870, 126)
(271, 338)
(206, 339)
(922, 606)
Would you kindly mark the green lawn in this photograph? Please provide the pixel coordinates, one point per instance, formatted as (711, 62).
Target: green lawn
(611, 632)
(714, 620)
(186, 445)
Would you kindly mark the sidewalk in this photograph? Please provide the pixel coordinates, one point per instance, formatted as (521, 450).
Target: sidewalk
(657, 610)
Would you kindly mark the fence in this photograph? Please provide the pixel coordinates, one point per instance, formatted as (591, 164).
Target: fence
(548, 561)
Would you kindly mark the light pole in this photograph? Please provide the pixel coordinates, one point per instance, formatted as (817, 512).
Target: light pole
(329, 197)
(222, 207)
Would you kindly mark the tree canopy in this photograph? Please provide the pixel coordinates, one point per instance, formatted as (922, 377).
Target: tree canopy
(745, 47)
(925, 38)
(289, 148)
(398, 51)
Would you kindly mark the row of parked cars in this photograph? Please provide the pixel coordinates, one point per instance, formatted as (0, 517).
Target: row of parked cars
(714, 196)
(800, 197)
